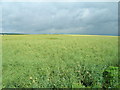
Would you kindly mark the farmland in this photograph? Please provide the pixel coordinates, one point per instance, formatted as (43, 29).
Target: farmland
(57, 61)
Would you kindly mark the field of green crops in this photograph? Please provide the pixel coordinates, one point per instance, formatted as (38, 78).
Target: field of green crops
(57, 61)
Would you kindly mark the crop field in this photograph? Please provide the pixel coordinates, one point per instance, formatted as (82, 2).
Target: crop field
(57, 61)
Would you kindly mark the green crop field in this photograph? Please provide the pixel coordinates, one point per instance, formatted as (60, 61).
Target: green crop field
(57, 61)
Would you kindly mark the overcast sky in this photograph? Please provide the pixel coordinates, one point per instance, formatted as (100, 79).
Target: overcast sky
(60, 17)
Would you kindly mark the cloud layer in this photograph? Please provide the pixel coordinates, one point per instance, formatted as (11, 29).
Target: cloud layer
(60, 18)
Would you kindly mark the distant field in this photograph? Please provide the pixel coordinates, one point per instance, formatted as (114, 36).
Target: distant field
(57, 61)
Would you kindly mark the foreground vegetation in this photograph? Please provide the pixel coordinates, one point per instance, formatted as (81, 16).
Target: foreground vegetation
(58, 61)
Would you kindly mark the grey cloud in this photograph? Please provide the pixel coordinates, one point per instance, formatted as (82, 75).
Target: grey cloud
(76, 18)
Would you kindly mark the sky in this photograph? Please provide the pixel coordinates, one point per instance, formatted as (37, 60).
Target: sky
(60, 17)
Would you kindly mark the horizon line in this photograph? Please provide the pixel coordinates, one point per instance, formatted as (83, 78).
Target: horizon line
(9, 33)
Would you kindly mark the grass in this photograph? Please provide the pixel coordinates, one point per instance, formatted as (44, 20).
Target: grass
(57, 61)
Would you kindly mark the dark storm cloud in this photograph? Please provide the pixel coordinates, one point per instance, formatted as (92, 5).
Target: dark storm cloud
(66, 18)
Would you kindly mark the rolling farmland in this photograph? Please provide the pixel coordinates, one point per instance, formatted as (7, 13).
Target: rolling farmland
(57, 61)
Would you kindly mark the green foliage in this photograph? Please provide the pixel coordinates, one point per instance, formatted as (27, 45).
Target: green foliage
(110, 77)
(57, 61)
(77, 85)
